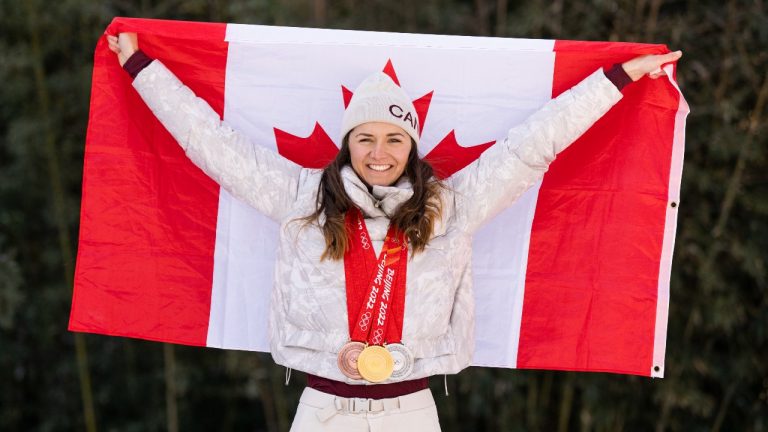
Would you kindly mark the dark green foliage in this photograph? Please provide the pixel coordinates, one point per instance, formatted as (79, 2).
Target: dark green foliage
(717, 378)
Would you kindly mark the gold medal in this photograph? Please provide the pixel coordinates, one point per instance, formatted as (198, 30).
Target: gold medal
(347, 359)
(375, 363)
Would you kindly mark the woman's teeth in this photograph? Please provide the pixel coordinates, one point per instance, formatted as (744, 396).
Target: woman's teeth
(379, 167)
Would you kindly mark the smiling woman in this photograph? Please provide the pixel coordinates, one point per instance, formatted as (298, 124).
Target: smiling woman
(338, 309)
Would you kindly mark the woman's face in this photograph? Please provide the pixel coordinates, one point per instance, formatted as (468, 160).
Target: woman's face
(379, 152)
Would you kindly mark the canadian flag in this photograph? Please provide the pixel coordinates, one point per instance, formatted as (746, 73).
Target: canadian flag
(574, 276)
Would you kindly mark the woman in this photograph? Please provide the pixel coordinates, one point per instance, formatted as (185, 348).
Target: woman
(372, 290)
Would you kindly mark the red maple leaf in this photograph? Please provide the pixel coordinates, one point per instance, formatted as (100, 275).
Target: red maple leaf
(315, 151)
(318, 149)
(449, 157)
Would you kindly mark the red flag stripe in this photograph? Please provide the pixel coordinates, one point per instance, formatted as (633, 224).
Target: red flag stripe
(162, 245)
(574, 311)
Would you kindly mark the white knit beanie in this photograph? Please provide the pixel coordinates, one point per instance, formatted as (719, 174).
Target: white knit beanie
(379, 99)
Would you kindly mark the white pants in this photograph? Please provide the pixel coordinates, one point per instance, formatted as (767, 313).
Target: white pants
(320, 411)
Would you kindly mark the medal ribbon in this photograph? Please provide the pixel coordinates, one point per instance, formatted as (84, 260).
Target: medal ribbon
(375, 287)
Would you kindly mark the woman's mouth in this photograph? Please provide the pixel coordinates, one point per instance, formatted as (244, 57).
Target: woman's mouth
(379, 167)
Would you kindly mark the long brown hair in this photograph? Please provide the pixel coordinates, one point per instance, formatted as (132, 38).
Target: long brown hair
(416, 217)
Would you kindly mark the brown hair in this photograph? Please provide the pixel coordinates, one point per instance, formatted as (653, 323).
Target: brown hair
(415, 217)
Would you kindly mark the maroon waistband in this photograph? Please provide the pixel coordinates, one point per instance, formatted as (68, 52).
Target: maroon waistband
(373, 391)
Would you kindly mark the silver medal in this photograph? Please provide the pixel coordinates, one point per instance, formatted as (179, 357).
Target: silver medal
(403, 358)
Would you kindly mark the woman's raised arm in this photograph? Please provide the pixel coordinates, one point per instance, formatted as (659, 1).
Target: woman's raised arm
(252, 173)
(514, 164)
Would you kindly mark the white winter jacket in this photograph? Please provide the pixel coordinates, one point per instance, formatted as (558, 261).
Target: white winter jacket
(308, 319)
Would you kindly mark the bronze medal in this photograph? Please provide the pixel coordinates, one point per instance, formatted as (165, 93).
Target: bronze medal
(347, 359)
(375, 363)
(403, 359)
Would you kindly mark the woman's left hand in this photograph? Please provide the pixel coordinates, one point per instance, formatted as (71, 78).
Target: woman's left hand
(649, 65)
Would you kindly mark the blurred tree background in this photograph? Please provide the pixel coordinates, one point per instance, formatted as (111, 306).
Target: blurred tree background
(717, 362)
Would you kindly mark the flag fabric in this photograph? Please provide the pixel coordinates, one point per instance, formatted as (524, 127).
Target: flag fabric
(574, 276)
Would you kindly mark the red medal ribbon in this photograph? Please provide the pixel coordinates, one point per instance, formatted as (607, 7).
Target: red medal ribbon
(375, 287)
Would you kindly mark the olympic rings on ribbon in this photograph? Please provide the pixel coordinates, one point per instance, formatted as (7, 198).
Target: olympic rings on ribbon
(365, 320)
(364, 240)
(377, 336)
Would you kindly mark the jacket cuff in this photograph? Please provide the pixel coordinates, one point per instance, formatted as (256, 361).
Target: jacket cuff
(618, 76)
(136, 63)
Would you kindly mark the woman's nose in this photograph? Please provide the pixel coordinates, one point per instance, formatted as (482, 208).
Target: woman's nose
(378, 150)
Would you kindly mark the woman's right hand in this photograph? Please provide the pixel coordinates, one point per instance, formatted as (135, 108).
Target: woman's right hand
(124, 45)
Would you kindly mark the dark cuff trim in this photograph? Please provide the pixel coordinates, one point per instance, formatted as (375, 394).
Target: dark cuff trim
(618, 76)
(136, 63)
